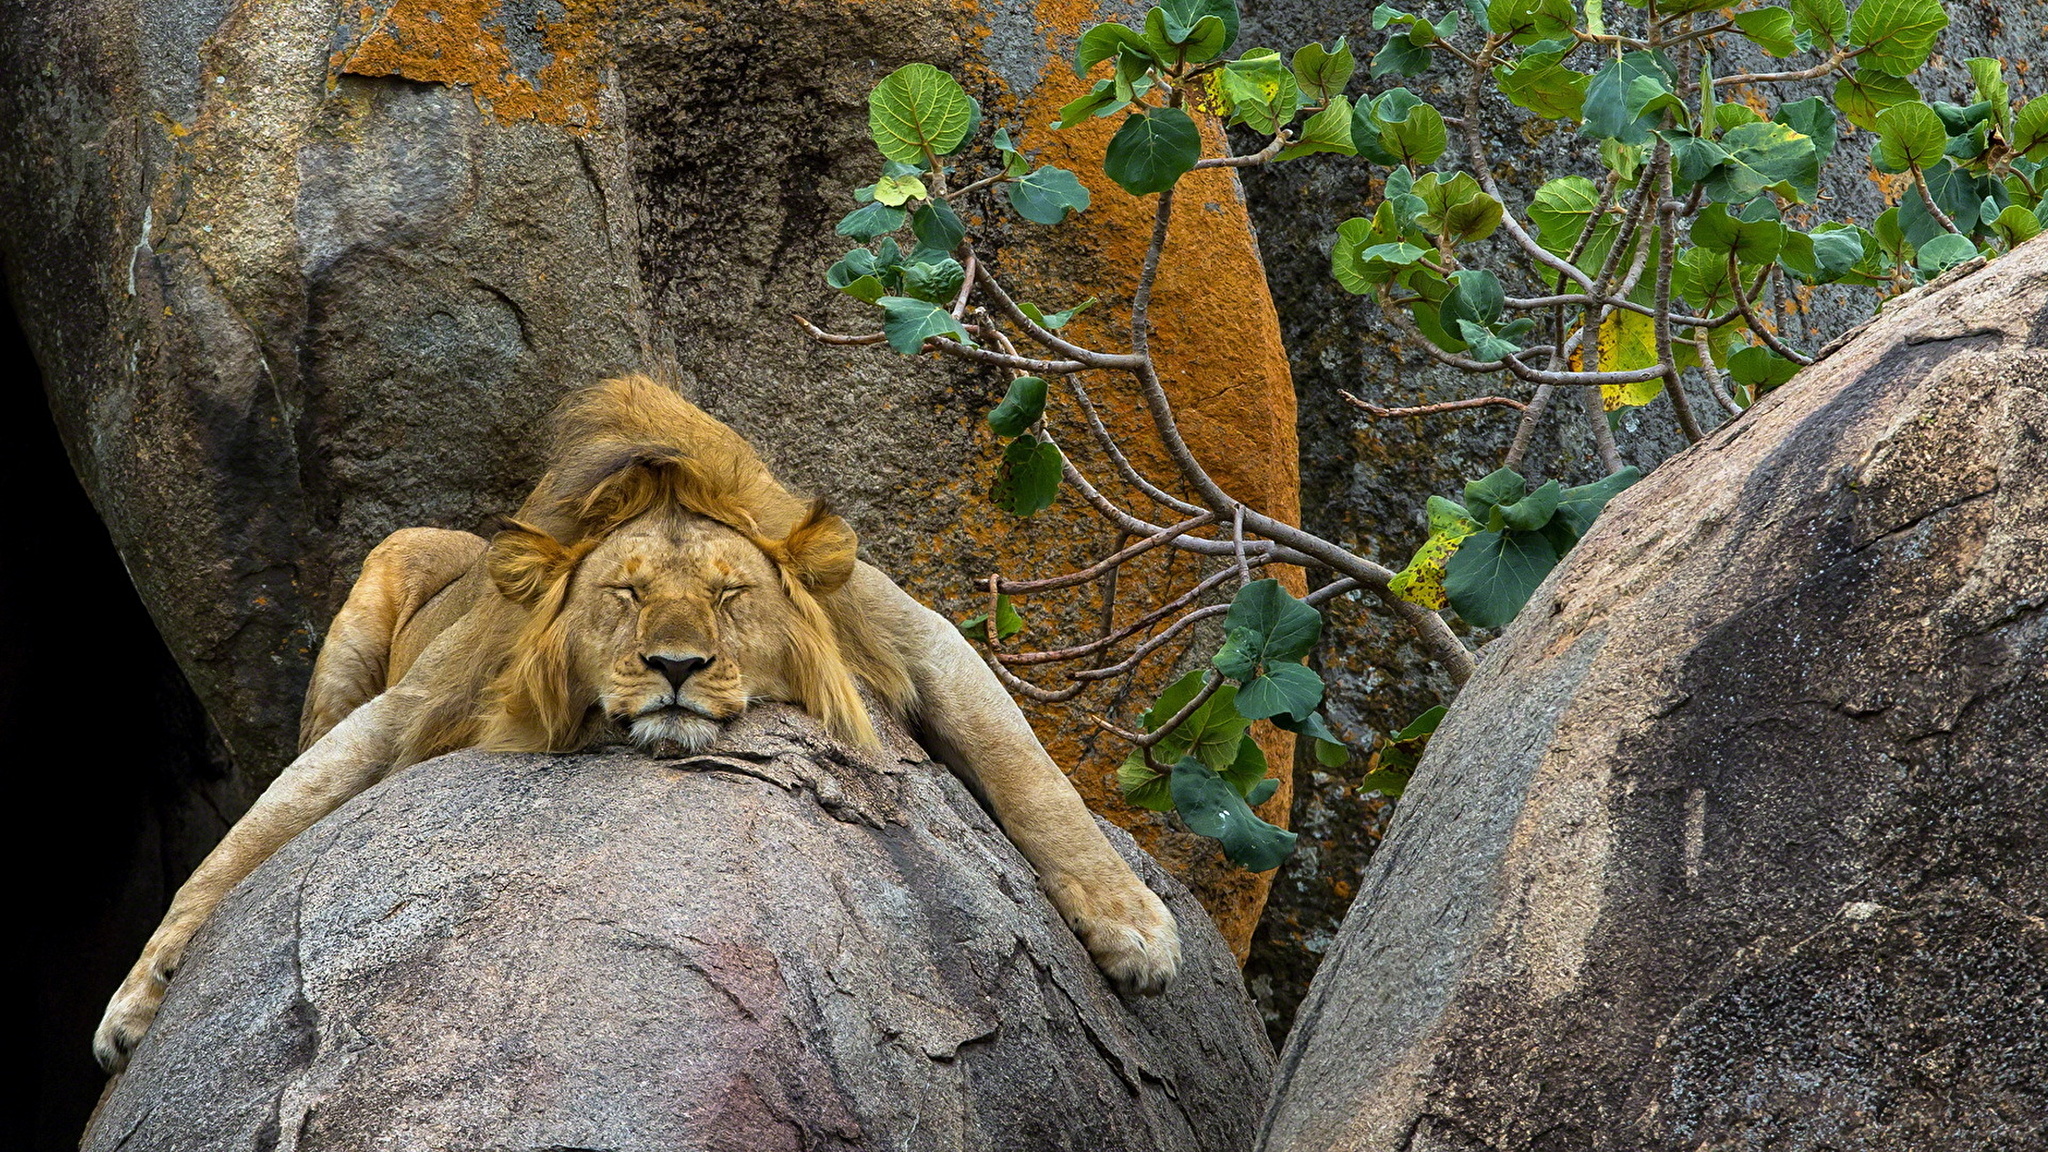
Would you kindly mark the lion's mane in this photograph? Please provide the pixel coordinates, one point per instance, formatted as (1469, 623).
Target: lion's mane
(621, 450)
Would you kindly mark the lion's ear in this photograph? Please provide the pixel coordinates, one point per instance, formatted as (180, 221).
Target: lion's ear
(819, 552)
(524, 561)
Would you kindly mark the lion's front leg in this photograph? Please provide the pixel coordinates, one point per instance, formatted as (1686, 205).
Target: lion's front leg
(347, 760)
(970, 722)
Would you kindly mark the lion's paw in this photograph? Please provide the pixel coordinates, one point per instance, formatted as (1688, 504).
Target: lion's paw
(1129, 933)
(129, 1014)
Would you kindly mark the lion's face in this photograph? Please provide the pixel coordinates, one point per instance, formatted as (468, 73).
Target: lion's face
(669, 624)
(675, 624)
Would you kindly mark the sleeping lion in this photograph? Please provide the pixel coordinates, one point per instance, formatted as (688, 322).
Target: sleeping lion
(656, 582)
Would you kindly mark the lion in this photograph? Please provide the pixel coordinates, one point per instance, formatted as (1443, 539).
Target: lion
(657, 581)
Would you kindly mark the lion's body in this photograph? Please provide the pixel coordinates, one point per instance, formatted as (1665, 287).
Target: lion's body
(657, 580)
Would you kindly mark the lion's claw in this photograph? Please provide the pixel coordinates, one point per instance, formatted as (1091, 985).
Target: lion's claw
(1130, 935)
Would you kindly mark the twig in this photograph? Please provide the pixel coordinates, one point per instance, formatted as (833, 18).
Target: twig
(1110, 562)
(1755, 325)
(1841, 57)
(1280, 140)
(1927, 198)
(1433, 409)
(1164, 729)
(1525, 429)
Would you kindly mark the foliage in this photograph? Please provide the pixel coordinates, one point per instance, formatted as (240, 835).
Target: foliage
(1675, 253)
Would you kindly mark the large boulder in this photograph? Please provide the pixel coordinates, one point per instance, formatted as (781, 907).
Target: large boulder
(1734, 839)
(777, 944)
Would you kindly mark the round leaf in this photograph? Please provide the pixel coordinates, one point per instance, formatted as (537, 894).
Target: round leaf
(1152, 150)
(1022, 407)
(918, 109)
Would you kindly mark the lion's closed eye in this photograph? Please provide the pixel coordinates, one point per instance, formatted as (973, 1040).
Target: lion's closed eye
(732, 592)
(626, 592)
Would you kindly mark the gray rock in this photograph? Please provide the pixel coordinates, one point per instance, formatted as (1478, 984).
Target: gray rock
(775, 944)
(1733, 840)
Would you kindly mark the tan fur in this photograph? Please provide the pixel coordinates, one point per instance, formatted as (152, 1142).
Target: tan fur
(656, 581)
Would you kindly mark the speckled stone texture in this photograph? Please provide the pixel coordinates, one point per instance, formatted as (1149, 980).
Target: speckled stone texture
(1733, 842)
(776, 944)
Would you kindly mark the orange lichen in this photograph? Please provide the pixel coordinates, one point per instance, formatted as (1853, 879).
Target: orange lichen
(1217, 340)
(547, 66)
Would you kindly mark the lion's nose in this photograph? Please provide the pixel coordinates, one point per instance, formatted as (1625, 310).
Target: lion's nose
(676, 669)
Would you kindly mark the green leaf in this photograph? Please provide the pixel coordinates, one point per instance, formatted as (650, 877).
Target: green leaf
(937, 227)
(1909, 135)
(1361, 260)
(1322, 74)
(1765, 157)
(1282, 690)
(1046, 195)
(1415, 135)
(1030, 476)
(1578, 507)
(1264, 789)
(1754, 242)
(2030, 130)
(1526, 22)
(908, 322)
(1247, 770)
(1144, 787)
(1561, 210)
(1540, 83)
(938, 282)
(1210, 733)
(1626, 98)
(1825, 21)
(1400, 56)
(1494, 574)
(2016, 225)
(1286, 628)
(1769, 29)
(1190, 13)
(1211, 807)
(1475, 295)
(1100, 100)
(1501, 486)
(1107, 42)
(1943, 253)
(1053, 321)
(1259, 90)
(1533, 511)
(916, 110)
(1174, 43)
(1814, 119)
(1987, 76)
(1862, 96)
(1485, 343)
(1326, 131)
(1897, 35)
(1456, 208)
(869, 221)
(1402, 750)
(1837, 249)
(1009, 622)
(1759, 369)
(1700, 275)
(1152, 151)
(855, 267)
(1022, 407)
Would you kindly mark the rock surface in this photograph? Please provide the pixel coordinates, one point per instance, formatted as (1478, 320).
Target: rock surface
(1365, 481)
(301, 273)
(1733, 841)
(776, 944)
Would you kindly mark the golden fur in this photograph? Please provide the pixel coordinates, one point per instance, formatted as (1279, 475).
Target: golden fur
(656, 581)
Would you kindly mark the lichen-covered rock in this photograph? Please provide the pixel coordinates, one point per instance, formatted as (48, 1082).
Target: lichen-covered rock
(300, 273)
(1733, 840)
(777, 944)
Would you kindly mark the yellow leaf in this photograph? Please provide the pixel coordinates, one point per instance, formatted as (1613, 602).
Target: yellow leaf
(1422, 581)
(1615, 397)
(1627, 340)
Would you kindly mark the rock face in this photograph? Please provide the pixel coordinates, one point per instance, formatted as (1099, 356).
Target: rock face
(1733, 841)
(776, 944)
(300, 273)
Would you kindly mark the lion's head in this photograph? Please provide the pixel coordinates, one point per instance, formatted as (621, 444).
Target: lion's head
(663, 581)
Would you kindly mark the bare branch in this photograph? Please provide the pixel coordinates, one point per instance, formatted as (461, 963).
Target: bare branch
(961, 351)
(1280, 140)
(1111, 561)
(824, 337)
(1525, 429)
(1742, 304)
(1433, 409)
